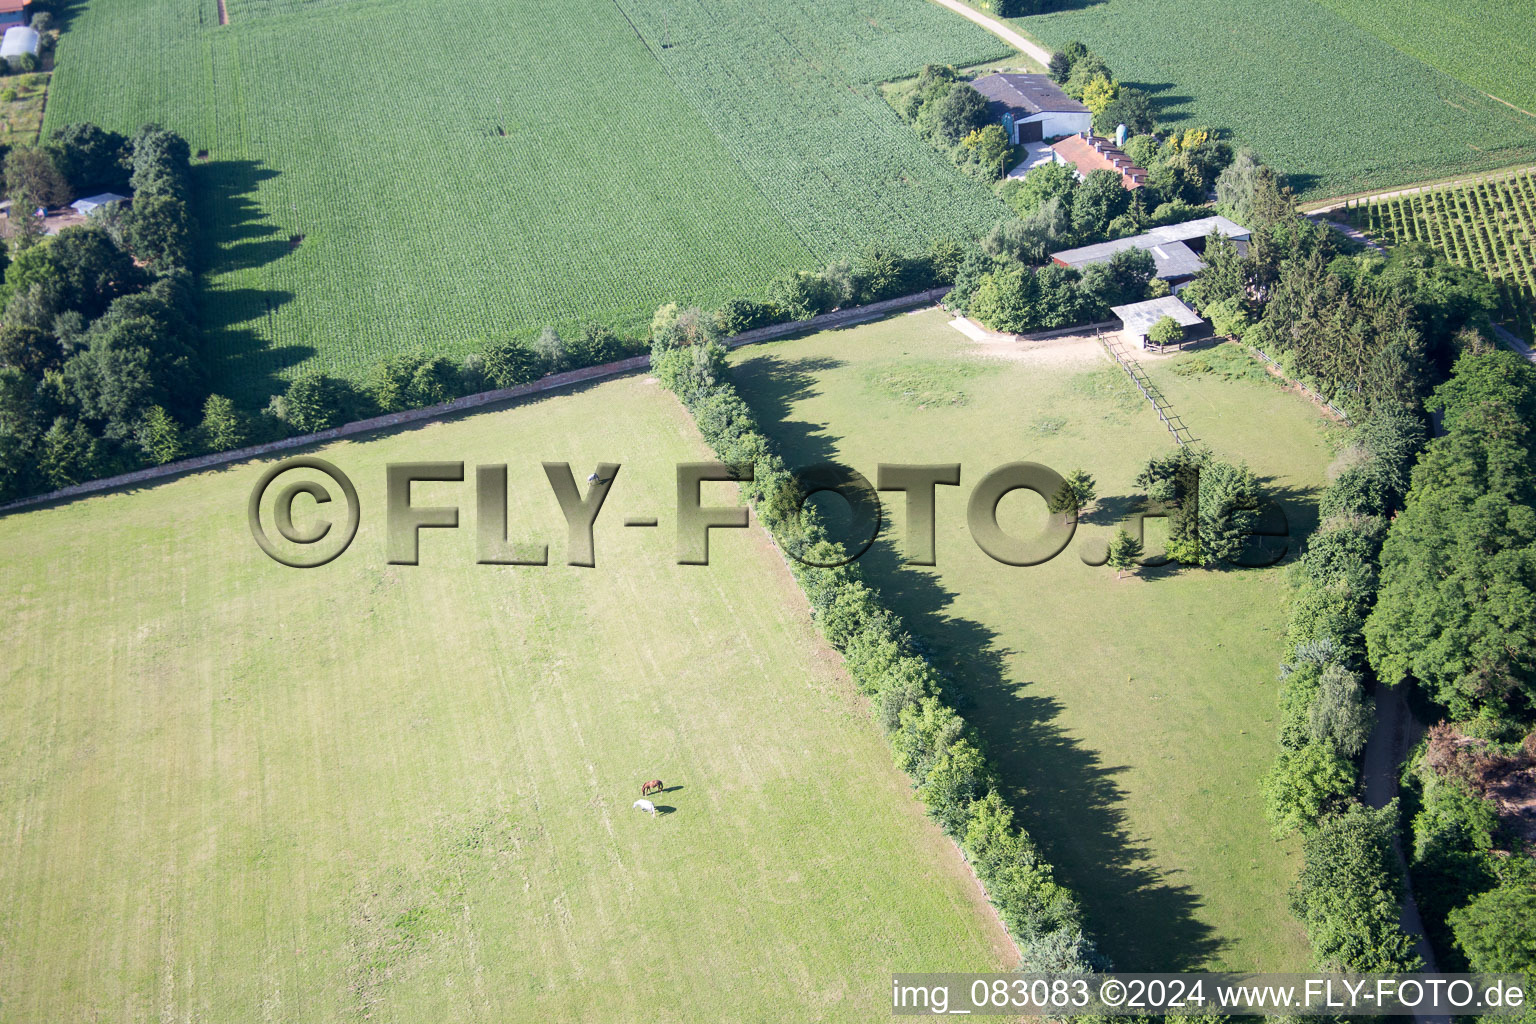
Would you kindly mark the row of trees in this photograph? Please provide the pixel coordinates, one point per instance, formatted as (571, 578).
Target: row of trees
(1425, 575)
(1008, 295)
(1453, 619)
(316, 401)
(1348, 893)
(1365, 331)
(930, 741)
(1458, 579)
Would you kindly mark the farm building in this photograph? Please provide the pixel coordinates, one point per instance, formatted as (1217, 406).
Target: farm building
(1087, 153)
(13, 12)
(1175, 248)
(1032, 108)
(18, 40)
(85, 207)
(1137, 318)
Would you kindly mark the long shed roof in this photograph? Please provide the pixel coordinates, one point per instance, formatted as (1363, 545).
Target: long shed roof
(1026, 95)
(1166, 244)
(1138, 317)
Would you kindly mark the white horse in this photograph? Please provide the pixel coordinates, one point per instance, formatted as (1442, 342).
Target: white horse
(646, 806)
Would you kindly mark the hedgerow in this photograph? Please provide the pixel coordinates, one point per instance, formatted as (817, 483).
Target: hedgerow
(930, 740)
(1348, 894)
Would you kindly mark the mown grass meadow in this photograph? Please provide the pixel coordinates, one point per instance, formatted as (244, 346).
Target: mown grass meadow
(239, 792)
(1132, 718)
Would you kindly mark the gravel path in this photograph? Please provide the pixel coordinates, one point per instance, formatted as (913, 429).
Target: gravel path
(1391, 741)
(1033, 51)
(1333, 204)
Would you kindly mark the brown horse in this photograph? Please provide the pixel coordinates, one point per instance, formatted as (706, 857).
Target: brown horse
(654, 786)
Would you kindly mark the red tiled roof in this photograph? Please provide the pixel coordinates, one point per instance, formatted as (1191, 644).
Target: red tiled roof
(12, 6)
(1099, 155)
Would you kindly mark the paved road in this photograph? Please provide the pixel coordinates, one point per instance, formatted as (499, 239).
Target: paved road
(1033, 51)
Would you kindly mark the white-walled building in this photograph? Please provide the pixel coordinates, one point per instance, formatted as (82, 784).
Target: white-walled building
(1032, 108)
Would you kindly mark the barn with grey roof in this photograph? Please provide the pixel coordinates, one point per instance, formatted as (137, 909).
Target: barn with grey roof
(1032, 108)
(1175, 248)
(1137, 318)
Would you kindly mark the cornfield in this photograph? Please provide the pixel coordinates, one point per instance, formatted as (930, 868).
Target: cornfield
(1319, 87)
(1489, 226)
(387, 174)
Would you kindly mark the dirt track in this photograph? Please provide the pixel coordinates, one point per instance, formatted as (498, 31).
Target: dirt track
(1031, 50)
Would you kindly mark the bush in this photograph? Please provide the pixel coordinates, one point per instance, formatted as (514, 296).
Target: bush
(313, 402)
(1304, 784)
(802, 294)
(1497, 930)
(1349, 894)
(508, 362)
(738, 315)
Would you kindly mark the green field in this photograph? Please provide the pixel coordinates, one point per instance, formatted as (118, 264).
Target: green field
(1342, 95)
(1489, 226)
(1131, 718)
(383, 174)
(238, 792)
(1489, 44)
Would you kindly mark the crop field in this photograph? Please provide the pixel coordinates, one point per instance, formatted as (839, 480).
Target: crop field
(239, 792)
(385, 174)
(1489, 44)
(1131, 719)
(1320, 88)
(1489, 226)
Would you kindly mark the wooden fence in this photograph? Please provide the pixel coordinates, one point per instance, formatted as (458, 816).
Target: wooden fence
(1111, 340)
(1319, 399)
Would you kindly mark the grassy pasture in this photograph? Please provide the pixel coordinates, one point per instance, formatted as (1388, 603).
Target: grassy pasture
(1131, 718)
(1343, 96)
(22, 115)
(384, 174)
(239, 792)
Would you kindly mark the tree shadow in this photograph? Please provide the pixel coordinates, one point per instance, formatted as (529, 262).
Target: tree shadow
(1167, 108)
(1063, 793)
(64, 12)
(236, 236)
(1073, 5)
(771, 385)
(1302, 182)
